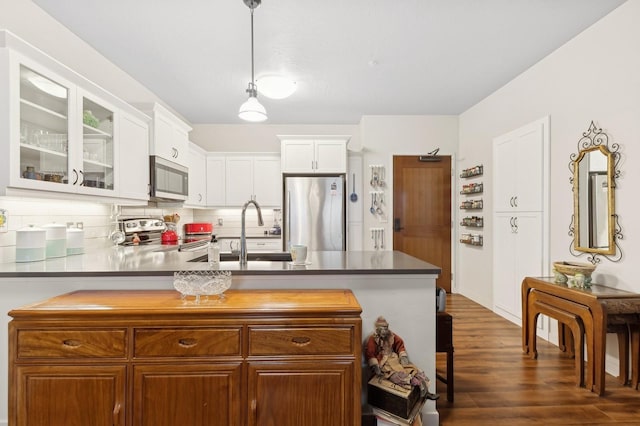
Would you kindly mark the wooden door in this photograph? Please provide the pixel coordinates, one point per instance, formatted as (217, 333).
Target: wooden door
(422, 211)
(197, 394)
(292, 393)
(70, 395)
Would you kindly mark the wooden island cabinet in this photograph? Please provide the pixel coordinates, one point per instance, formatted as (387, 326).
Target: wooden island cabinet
(257, 357)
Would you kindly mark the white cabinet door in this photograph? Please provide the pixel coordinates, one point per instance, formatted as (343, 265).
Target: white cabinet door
(330, 156)
(216, 180)
(181, 143)
(253, 178)
(197, 176)
(517, 238)
(314, 155)
(519, 168)
(133, 164)
(239, 180)
(504, 264)
(298, 156)
(267, 181)
(162, 137)
(169, 136)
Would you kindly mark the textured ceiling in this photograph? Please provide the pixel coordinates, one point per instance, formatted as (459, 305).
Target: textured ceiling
(349, 57)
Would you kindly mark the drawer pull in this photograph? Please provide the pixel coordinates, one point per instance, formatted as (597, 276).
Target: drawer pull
(188, 343)
(73, 343)
(301, 341)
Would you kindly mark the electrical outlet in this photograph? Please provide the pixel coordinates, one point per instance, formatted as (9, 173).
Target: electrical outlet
(4, 218)
(220, 222)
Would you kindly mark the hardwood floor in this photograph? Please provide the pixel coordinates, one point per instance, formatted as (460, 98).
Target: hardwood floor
(496, 384)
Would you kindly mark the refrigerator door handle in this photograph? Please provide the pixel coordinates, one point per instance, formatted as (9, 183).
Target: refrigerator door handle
(288, 222)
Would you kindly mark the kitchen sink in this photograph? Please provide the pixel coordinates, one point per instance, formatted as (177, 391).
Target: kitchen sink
(266, 257)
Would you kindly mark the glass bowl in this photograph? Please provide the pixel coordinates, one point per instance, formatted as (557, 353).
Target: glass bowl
(202, 283)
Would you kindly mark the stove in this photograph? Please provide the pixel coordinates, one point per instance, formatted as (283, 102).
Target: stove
(148, 229)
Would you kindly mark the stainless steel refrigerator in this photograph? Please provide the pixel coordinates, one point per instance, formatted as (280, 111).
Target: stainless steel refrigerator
(314, 212)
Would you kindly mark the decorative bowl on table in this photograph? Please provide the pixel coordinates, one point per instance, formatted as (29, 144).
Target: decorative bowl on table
(202, 283)
(579, 272)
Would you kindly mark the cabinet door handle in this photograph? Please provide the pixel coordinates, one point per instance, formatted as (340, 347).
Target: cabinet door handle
(199, 197)
(72, 343)
(188, 343)
(82, 175)
(511, 201)
(515, 201)
(515, 224)
(116, 414)
(75, 174)
(301, 340)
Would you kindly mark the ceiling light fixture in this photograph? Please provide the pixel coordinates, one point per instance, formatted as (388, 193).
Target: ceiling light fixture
(251, 109)
(276, 86)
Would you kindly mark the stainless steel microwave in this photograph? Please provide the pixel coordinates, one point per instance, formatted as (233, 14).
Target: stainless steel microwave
(169, 181)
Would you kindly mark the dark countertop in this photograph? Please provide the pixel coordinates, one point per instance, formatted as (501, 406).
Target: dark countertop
(165, 260)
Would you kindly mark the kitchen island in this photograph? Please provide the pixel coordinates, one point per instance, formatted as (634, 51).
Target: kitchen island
(392, 284)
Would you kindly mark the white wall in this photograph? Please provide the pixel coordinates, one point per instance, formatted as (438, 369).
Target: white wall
(262, 137)
(596, 76)
(386, 136)
(29, 22)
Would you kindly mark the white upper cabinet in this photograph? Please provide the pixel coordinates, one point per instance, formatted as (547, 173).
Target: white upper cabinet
(314, 154)
(255, 177)
(197, 176)
(64, 134)
(216, 165)
(169, 134)
(519, 169)
(133, 172)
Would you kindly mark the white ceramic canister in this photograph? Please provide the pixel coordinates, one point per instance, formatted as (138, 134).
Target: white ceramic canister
(31, 244)
(56, 240)
(75, 241)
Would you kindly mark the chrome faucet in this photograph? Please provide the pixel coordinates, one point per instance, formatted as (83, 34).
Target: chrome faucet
(243, 236)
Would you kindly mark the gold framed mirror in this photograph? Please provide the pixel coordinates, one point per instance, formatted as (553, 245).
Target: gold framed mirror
(595, 227)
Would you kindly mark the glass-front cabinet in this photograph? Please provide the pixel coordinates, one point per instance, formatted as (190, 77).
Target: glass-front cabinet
(66, 136)
(97, 170)
(44, 128)
(62, 134)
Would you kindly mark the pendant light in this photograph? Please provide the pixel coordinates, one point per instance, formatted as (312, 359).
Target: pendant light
(251, 109)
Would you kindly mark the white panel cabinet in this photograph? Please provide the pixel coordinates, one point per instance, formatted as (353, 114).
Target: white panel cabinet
(66, 135)
(519, 179)
(216, 176)
(520, 213)
(197, 176)
(169, 134)
(314, 155)
(133, 173)
(253, 178)
(518, 243)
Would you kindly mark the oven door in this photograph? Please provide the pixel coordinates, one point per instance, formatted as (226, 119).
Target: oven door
(169, 181)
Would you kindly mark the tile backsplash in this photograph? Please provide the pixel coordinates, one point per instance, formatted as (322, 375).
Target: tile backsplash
(97, 221)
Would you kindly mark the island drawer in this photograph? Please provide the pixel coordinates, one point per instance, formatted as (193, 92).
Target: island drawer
(87, 343)
(188, 341)
(301, 341)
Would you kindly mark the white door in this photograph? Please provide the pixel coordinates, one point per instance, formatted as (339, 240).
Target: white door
(239, 180)
(297, 156)
(267, 181)
(133, 148)
(216, 181)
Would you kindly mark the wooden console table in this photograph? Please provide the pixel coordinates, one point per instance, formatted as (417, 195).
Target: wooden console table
(592, 306)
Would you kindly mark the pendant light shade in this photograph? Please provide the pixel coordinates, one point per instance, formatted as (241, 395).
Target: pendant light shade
(252, 110)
